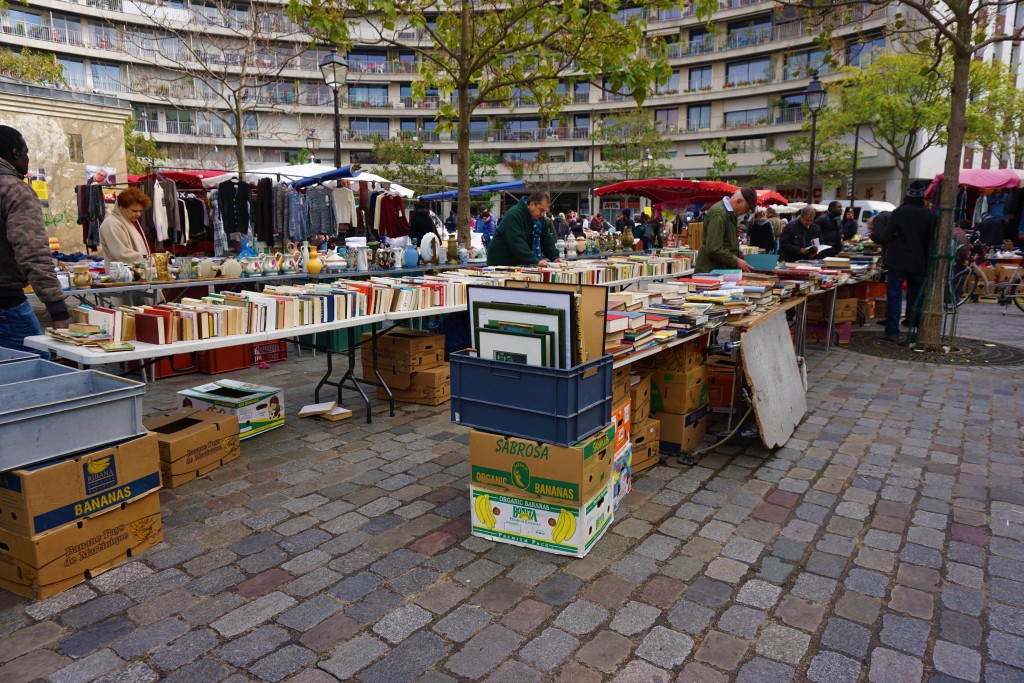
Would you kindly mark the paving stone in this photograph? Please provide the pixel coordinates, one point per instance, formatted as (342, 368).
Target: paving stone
(136, 672)
(88, 668)
(558, 590)
(500, 594)
(549, 649)
(189, 647)
(634, 618)
(95, 636)
(605, 652)
(665, 648)
(581, 616)
(635, 568)
(253, 614)
(95, 610)
(958, 661)
(782, 644)
(846, 637)
(889, 666)
(527, 615)
(789, 549)
(962, 599)
(640, 672)
(354, 588)
(775, 570)
(759, 670)
(831, 566)
(374, 606)
(284, 662)
(742, 621)
(146, 639)
(1006, 648)
(33, 666)
(254, 645)
(867, 582)
(760, 594)
(690, 617)
(403, 622)
(904, 633)
(309, 613)
(484, 651)
(829, 667)
(813, 587)
(354, 656)
(800, 613)
(708, 592)
(514, 672)
(658, 547)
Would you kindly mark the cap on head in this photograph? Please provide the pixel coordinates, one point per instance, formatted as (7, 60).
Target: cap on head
(749, 196)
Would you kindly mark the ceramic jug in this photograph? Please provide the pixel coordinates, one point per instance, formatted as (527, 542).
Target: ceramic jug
(351, 258)
(82, 279)
(362, 259)
(119, 272)
(385, 258)
(412, 255)
(186, 267)
(334, 262)
(253, 267)
(396, 257)
(313, 264)
(570, 247)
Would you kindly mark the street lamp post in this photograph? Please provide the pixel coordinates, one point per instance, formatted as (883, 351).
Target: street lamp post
(312, 143)
(335, 72)
(853, 175)
(814, 98)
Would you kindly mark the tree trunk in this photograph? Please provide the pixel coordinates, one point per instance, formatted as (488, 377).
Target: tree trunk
(931, 315)
(239, 140)
(463, 217)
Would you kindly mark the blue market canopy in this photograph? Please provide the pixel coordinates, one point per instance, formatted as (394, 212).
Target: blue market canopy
(478, 190)
(333, 174)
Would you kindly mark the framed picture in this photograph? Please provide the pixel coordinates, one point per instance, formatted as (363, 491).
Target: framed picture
(556, 310)
(514, 347)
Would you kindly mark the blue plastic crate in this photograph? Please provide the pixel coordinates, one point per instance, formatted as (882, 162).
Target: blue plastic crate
(552, 405)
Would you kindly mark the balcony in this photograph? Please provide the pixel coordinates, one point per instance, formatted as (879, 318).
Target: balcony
(147, 126)
(181, 128)
(49, 34)
(394, 66)
(747, 38)
(745, 119)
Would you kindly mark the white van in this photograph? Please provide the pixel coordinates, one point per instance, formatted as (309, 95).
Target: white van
(863, 210)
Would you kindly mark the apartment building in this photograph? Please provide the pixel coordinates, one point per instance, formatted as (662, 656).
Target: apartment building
(741, 78)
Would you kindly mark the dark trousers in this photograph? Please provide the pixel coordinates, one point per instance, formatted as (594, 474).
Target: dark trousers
(19, 322)
(894, 280)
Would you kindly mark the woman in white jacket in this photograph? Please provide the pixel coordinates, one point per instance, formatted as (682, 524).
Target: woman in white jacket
(121, 237)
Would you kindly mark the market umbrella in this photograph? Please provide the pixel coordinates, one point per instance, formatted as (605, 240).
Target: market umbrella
(660, 190)
(770, 197)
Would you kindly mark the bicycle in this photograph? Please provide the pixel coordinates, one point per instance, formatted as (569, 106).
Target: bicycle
(968, 279)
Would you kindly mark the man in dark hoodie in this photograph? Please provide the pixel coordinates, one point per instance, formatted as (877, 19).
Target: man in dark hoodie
(906, 258)
(24, 251)
(830, 225)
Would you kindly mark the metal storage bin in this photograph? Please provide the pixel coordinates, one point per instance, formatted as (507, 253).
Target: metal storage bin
(12, 356)
(46, 418)
(31, 369)
(552, 405)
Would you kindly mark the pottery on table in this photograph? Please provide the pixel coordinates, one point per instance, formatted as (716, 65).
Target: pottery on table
(119, 272)
(412, 255)
(362, 259)
(333, 261)
(313, 265)
(430, 249)
(207, 268)
(396, 257)
(560, 246)
(231, 268)
(252, 267)
(82, 279)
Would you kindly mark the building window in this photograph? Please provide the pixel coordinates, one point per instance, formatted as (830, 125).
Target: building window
(700, 78)
(76, 150)
(745, 73)
(746, 118)
(180, 122)
(362, 157)
(367, 62)
(803, 64)
(368, 95)
(519, 156)
(74, 72)
(106, 76)
(364, 129)
(671, 87)
(666, 120)
(746, 145)
(863, 53)
(698, 117)
(581, 154)
(747, 32)
(581, 93)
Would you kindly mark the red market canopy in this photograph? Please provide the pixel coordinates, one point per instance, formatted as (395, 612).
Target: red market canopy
(659, 190)
(185, 180)
(979, 178)
(770, 197)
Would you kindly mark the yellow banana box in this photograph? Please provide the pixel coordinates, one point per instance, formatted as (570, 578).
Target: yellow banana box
(43, 497)
(57, 560)
(569, 475)
(622, 473)
(530, 523)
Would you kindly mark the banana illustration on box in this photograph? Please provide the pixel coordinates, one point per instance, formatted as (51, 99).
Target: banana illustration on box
(564, 528)
(484, 512)
(98, 465)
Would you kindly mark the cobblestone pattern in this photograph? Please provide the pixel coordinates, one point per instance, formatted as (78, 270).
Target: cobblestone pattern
(884, 542)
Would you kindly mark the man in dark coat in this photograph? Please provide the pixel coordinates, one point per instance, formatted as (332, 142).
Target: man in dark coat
(721, 247)
(798, 236)
(524, 237)
(760, 233)
(906, 258)
(830, 225)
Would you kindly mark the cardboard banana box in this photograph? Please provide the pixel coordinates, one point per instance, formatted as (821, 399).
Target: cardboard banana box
(559, 529)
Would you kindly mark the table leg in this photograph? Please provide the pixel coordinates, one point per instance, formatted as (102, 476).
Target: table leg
(831, 318)
(327, 375)
(350, 374)
(376, 371)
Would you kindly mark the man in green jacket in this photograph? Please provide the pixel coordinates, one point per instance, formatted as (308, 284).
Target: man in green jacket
(524, 237)
(721, 245)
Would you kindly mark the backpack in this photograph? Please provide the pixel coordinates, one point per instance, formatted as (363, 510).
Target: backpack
(881, 229)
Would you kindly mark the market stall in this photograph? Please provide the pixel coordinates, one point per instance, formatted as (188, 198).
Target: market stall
(984, 193)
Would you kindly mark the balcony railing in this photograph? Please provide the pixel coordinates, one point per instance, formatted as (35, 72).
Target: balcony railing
(50, 34)
(747, 119)
(181, 127)
(147, 126)
(394, 66)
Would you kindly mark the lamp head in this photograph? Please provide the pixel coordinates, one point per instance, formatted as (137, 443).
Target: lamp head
(814, 96)
(334, 69)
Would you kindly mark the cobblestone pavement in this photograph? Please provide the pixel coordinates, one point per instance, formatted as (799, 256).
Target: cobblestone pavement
(883, 543)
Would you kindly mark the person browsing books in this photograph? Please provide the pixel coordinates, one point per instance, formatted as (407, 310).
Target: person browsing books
(721, 247)
(797, 239)
(525, 237)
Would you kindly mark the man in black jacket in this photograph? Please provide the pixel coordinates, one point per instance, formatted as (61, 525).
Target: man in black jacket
(830, 225)
(797, 237)
(760, 233)
(906, 258)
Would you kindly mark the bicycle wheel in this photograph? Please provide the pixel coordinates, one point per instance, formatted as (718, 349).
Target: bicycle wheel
(1016, 293)
(963, 286)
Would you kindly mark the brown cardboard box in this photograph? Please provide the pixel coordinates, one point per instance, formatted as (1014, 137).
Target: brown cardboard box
(640, 396)
(653, 458)
(682, 432)
(66, 556)
(679, 392)
(394, 380)
(622, 412)
(405, 350)
(644, 434)
(1005, 273)
(620, 384)
(685, 358)
(881, 308)
(846, 310)
(434, 377)
(866, 310)
(35, 500)
(194, 442)
(723, 389)
(572, 474)
(420, 395)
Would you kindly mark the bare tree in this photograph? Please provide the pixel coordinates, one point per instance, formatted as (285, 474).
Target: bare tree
(227, 66)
